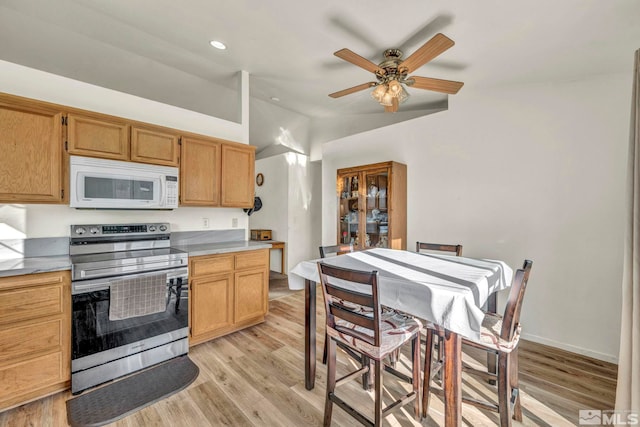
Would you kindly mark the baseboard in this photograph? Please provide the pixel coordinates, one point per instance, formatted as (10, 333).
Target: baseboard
(568, 347)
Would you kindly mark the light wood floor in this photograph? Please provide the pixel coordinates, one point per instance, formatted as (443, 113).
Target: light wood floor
(255, 378)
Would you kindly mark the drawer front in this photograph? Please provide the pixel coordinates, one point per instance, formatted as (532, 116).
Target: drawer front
(252, 259)
(32, 374)
(204, 265)
(30, 339)
(31, 302)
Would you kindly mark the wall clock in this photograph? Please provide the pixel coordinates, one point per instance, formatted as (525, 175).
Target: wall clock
(259, 179)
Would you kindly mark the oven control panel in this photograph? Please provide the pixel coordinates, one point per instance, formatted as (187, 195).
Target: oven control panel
(119, 229)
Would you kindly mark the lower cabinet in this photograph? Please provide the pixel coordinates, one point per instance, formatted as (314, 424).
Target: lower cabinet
(228, 292)
(35, 336)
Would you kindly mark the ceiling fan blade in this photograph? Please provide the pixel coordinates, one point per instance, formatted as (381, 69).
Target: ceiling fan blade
(358, 88)
(444, 86)
(434, 47)
(392, 108)
(358, 60)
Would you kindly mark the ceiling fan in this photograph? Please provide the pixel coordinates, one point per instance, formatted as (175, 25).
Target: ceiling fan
(392, 73)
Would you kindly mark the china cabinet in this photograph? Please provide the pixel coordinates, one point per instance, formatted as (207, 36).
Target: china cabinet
(372, 205)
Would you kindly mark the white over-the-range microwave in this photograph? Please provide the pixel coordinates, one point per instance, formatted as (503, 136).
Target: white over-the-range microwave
(114, 184)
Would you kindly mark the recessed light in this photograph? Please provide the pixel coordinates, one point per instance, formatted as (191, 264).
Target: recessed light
(218, 44)
(275, 98)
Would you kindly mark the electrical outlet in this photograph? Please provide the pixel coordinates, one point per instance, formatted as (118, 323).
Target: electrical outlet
(205, 222)
(234, 222)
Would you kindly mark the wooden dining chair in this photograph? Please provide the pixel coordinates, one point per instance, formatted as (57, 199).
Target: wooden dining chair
(439, 247)
(499, 335)
(327, 251)
(370, 331)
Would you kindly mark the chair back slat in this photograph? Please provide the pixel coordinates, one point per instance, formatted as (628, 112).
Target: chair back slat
(327, 251)
(440, 247)
(338, 300)
(349, 295)
(511, 317)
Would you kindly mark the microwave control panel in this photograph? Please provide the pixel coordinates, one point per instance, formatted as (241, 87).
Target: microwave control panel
(172, 191)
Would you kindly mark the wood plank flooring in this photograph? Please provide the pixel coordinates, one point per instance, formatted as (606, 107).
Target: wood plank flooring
(255, 378)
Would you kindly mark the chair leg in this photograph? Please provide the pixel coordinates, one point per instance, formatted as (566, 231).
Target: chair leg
(415, 358)
(504, 394)
(378, 403)
(331, 381)
(426, 382)
(324, 353)
(513, 374)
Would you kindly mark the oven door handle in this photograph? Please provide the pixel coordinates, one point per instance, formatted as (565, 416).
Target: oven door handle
(84, 286)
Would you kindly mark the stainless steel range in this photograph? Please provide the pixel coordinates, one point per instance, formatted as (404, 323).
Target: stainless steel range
(130, 303)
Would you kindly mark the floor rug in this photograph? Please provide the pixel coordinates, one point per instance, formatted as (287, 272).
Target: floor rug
(121, 398)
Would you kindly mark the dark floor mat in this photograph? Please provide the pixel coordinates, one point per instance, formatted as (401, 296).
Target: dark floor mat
(114, 401)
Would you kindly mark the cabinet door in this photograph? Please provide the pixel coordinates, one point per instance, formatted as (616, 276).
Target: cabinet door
(154, 146)
(199, 172)
(31, 160)
(375, 212)
(251, 294)
(212, 307)
(93, 137)
(238, 165)
(35, 337)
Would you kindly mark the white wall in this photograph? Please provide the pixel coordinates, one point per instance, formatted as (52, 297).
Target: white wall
(524, 172)
(274, 196)
(54, 220)
(290, 206)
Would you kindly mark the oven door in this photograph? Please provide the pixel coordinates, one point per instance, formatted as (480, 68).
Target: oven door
(95, 337)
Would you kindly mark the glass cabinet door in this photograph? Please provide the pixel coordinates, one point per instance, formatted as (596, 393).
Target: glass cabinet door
(376, 214)
(348, 191)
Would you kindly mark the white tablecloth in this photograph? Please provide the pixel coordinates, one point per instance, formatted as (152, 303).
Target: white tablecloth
(446, 290)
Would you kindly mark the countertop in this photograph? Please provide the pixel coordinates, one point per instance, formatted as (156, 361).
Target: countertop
(20, 266)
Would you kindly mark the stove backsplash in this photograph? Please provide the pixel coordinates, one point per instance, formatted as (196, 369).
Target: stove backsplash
(35, 247)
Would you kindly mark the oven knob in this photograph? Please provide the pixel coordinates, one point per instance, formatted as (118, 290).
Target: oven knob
(163, 228)
(80, 230)
(152, 228)
(94, 230)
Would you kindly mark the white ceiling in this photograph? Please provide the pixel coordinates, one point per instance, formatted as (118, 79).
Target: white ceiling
(160, 47)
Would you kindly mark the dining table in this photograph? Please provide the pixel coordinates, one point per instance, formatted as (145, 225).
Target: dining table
(446, 290)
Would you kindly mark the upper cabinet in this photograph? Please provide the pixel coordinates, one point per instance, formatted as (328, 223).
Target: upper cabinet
(214, 172)
(238, 165)
(199, 172)
(34, 164)
(149, 145)
(87, 136)
(31, 169)
(112, 138)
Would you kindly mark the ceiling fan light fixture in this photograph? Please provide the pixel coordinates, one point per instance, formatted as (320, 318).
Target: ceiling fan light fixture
(403, 95)
(395, 87)
(379, 92)
(387, 99)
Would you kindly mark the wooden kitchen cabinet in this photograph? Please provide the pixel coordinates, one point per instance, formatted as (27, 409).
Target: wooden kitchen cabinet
(228, 292)
(112, 138)
(372, 205)
(31, 167)
(35, 336)
(97, 137)
(199, 172)
(155, 146)
(214, 172)
(238, 165)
